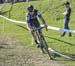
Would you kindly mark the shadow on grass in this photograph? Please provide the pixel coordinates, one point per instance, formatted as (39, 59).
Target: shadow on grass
(22, 27)
(60, 40)
(2, 13)
(58, 57)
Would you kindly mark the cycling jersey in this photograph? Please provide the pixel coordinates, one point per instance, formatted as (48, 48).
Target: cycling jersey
(32, 19)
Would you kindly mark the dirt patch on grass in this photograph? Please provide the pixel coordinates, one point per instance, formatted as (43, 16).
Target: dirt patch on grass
(14, 53)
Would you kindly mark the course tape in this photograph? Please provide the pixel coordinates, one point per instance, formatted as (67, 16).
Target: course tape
(12, 20)
(49, 27)
(60, 54)
(61, 29)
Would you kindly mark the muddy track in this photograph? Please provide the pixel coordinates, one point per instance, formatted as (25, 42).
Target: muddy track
(14, 53)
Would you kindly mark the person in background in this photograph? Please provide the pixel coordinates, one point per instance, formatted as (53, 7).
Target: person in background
(67, 14)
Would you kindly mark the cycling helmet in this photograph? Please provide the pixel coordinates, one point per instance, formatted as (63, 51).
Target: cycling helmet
(30, 8)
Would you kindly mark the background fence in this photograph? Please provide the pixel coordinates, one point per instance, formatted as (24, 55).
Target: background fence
(2, 1)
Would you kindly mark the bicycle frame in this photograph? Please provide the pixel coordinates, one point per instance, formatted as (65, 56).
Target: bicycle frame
(43, 44)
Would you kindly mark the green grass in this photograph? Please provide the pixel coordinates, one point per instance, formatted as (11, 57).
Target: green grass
(53, 17)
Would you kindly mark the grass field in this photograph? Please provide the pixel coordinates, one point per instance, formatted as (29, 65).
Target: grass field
(51, 12)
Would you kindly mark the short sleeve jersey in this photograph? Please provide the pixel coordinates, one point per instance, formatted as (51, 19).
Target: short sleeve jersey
(32, 18)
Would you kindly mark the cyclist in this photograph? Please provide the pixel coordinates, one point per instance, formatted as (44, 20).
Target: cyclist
(32, 21)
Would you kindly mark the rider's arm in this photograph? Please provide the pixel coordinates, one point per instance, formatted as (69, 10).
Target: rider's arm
(42, 19)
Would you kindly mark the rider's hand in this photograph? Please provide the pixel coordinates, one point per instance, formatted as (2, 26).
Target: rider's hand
(46, 27)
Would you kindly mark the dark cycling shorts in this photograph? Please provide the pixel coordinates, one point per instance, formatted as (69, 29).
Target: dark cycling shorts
(34, 25)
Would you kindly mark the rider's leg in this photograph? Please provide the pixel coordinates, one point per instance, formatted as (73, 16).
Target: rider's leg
(34, 37)
(31, 28)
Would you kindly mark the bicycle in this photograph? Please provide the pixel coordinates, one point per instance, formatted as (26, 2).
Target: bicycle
(43, 43)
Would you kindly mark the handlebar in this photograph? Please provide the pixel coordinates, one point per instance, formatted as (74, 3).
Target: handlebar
(42, 26)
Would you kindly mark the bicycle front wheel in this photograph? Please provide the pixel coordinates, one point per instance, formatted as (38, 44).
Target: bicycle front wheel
(44, 45)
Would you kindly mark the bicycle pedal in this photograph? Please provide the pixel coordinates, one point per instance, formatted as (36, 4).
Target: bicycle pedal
(38, 46)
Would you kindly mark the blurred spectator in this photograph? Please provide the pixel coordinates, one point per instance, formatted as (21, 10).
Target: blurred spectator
(67, 17)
